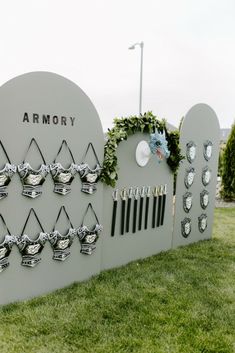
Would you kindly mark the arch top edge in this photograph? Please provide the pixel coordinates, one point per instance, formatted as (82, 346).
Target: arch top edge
(196, 116)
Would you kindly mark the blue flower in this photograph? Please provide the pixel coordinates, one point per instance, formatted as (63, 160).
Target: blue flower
(158, 145)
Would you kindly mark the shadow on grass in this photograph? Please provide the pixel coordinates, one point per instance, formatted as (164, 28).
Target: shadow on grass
(178, 301)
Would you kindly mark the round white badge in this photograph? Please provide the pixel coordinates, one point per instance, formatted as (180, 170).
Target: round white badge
(142, 153)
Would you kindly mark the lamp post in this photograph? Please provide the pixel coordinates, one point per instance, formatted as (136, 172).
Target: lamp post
(141, 44)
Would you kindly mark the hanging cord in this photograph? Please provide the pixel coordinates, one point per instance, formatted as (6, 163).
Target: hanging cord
(64, 142)
(31, 142)
(67, 216)
(90, 206)
(5, 152)
(96, 157)
(32, 210)
(4, 223)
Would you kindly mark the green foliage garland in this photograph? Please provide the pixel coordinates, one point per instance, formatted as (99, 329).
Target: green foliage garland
(125, 127)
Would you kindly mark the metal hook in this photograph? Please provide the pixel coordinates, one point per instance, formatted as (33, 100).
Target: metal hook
(142, 191)
(130, 192)
(155, 191)
(148, 191)
(115, 195)
(161, 190)
(165, 189)
(136, 192)
(123, 194)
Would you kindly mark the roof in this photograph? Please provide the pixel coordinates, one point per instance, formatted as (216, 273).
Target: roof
(171, 127)
(224, 134)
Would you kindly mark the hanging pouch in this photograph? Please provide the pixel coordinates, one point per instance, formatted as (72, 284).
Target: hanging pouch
(30, 249)
(88, 237)
(63, 177)
(6, 174)
(61, 243)
(89, 177)
(32, 179)
(5, 247)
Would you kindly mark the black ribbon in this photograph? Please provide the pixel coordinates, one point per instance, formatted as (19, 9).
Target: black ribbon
(142, 192)
(159, 211)
(5, 152)
(62, 208)
(89, 206)
(30, 144)
(147, 207)
(93, 149)
(64, 142)
(4, 223)
(123, 209)
(32, 211)
(155, 195)
(115, 200)
(136, 194)
(128, 211)
(163, 206)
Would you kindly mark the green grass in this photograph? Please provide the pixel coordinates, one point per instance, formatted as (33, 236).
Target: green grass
(181, 301)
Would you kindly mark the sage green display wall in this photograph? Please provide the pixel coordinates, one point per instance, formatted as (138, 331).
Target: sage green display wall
(70, 115)
(121, 249)
(199, 126)
(46, 93)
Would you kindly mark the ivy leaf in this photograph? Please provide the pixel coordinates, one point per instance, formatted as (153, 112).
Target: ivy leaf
(112, 175)
(125, 127)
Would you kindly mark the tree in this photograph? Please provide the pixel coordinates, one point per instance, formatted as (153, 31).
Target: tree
(220, 166)
(228, 168)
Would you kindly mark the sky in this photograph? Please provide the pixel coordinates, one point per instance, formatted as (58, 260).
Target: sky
(189, 52)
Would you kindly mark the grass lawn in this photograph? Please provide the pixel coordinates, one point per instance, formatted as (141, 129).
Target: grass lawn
(181, 301)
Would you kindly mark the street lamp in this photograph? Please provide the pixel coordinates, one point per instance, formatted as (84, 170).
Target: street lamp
(141, 44)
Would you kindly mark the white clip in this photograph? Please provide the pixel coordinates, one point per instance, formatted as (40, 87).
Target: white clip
(115, 195)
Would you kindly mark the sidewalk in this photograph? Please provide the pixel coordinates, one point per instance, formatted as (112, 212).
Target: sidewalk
(221, 203)
(218, 201)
